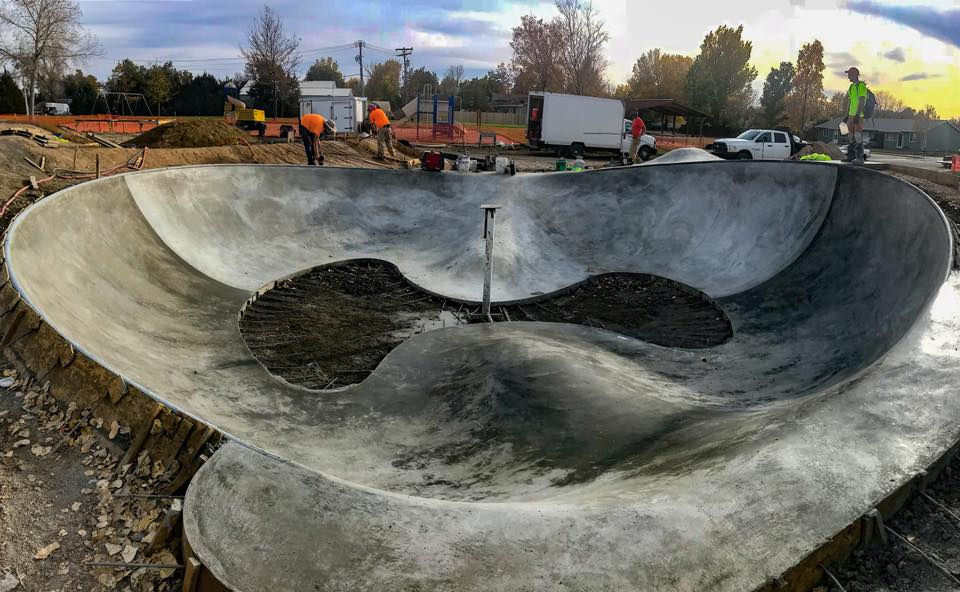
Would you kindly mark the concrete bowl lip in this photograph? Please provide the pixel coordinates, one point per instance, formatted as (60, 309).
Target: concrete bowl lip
(12, 228)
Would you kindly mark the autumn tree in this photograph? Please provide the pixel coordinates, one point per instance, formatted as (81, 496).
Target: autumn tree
(383, 82)
(418, 81)
(657, 75)
(536, 56)
(838, 104)
(325, 69)
(721, 74)
(163, 82)
(272, 58)
(42, 37)
(354, 85)
(806, 103)
(776, 88)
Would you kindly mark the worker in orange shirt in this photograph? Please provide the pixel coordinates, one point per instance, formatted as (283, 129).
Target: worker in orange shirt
(312, 126)
(636, 131)
(381, 125)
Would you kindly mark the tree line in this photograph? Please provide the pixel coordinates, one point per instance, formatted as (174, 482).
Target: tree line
(562, 54)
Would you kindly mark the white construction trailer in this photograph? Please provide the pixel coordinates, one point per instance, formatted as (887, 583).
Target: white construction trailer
(337, 104)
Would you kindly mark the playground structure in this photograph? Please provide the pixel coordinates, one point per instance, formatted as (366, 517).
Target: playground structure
(430, 118)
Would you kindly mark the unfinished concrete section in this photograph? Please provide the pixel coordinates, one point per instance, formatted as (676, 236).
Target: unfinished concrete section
(525, 455)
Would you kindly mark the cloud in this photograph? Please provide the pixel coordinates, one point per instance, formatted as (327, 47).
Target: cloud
(896, 55)
(841, 59)
(939, 24)
(919, 76)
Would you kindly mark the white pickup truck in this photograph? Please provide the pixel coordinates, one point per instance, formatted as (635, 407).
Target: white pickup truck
(757, 144)
(947, 161)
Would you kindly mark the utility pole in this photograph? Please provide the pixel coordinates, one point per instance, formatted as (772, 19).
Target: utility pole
(359, 60)
(404, 52)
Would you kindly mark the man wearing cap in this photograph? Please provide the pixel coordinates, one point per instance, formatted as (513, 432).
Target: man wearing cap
(381, 125)
(312, 126)
(858, 100)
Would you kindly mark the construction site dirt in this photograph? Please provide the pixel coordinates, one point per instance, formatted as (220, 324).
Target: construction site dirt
(332, 326)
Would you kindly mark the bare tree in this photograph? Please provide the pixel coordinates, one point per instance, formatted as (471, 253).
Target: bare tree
(272, 61)
(582, 38)
(42, 36)
(450, 84)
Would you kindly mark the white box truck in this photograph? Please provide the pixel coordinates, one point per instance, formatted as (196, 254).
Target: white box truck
(572, 124)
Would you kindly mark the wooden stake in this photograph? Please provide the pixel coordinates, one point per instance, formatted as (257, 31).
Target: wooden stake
(144, 433)
(163, 534)
(98, 165)
(76, 153)
(43, 163)
(192, 575)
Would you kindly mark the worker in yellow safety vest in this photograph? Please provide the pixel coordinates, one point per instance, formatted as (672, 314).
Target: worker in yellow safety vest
(381, 125)
(312, 126)
(857, 95)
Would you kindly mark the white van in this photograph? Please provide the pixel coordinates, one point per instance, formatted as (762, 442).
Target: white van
(570, 124)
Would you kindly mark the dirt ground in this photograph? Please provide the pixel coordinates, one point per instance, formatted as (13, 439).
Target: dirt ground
(332, 326)
(65, 502)
(192, 134)
(896, 567)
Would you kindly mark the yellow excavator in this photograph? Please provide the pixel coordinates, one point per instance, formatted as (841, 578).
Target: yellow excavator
(236, 113)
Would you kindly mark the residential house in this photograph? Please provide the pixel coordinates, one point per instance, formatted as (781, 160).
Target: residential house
(887, 133)
(503, 103)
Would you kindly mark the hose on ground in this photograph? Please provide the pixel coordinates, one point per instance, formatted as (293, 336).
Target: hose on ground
(134, 163)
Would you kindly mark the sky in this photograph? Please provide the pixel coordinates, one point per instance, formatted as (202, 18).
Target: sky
(910, 48)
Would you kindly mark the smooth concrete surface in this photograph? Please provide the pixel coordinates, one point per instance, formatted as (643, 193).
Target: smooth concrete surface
(525, 456)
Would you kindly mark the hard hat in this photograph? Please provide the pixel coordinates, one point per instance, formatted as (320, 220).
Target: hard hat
(330, 125)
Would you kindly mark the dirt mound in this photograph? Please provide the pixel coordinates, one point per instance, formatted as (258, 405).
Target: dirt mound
(830, 150)
(191, 134)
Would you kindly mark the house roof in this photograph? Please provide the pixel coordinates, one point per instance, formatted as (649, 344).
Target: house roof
(663, 106)
(887, 125)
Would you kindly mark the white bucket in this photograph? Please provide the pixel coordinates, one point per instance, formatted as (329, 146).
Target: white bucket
(502, 164)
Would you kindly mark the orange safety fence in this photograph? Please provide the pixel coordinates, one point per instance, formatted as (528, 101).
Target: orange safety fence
(130, 125)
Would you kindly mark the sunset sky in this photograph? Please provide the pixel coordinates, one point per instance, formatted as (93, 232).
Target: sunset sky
(908, 47)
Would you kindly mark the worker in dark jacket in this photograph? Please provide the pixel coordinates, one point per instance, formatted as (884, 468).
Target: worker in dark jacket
(312, 127)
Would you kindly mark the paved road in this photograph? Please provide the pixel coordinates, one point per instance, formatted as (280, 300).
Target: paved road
(929, 162)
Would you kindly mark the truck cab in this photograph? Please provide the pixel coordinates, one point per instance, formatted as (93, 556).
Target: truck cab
(755, 144)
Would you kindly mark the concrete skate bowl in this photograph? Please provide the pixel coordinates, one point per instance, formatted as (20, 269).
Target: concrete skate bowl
(524, 455)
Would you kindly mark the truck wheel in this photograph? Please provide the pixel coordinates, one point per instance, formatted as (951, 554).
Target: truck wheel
(646, 153)
(576, 150)
(744, 155)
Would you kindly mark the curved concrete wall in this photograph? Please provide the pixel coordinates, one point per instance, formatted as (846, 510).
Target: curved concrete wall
(822, 270)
